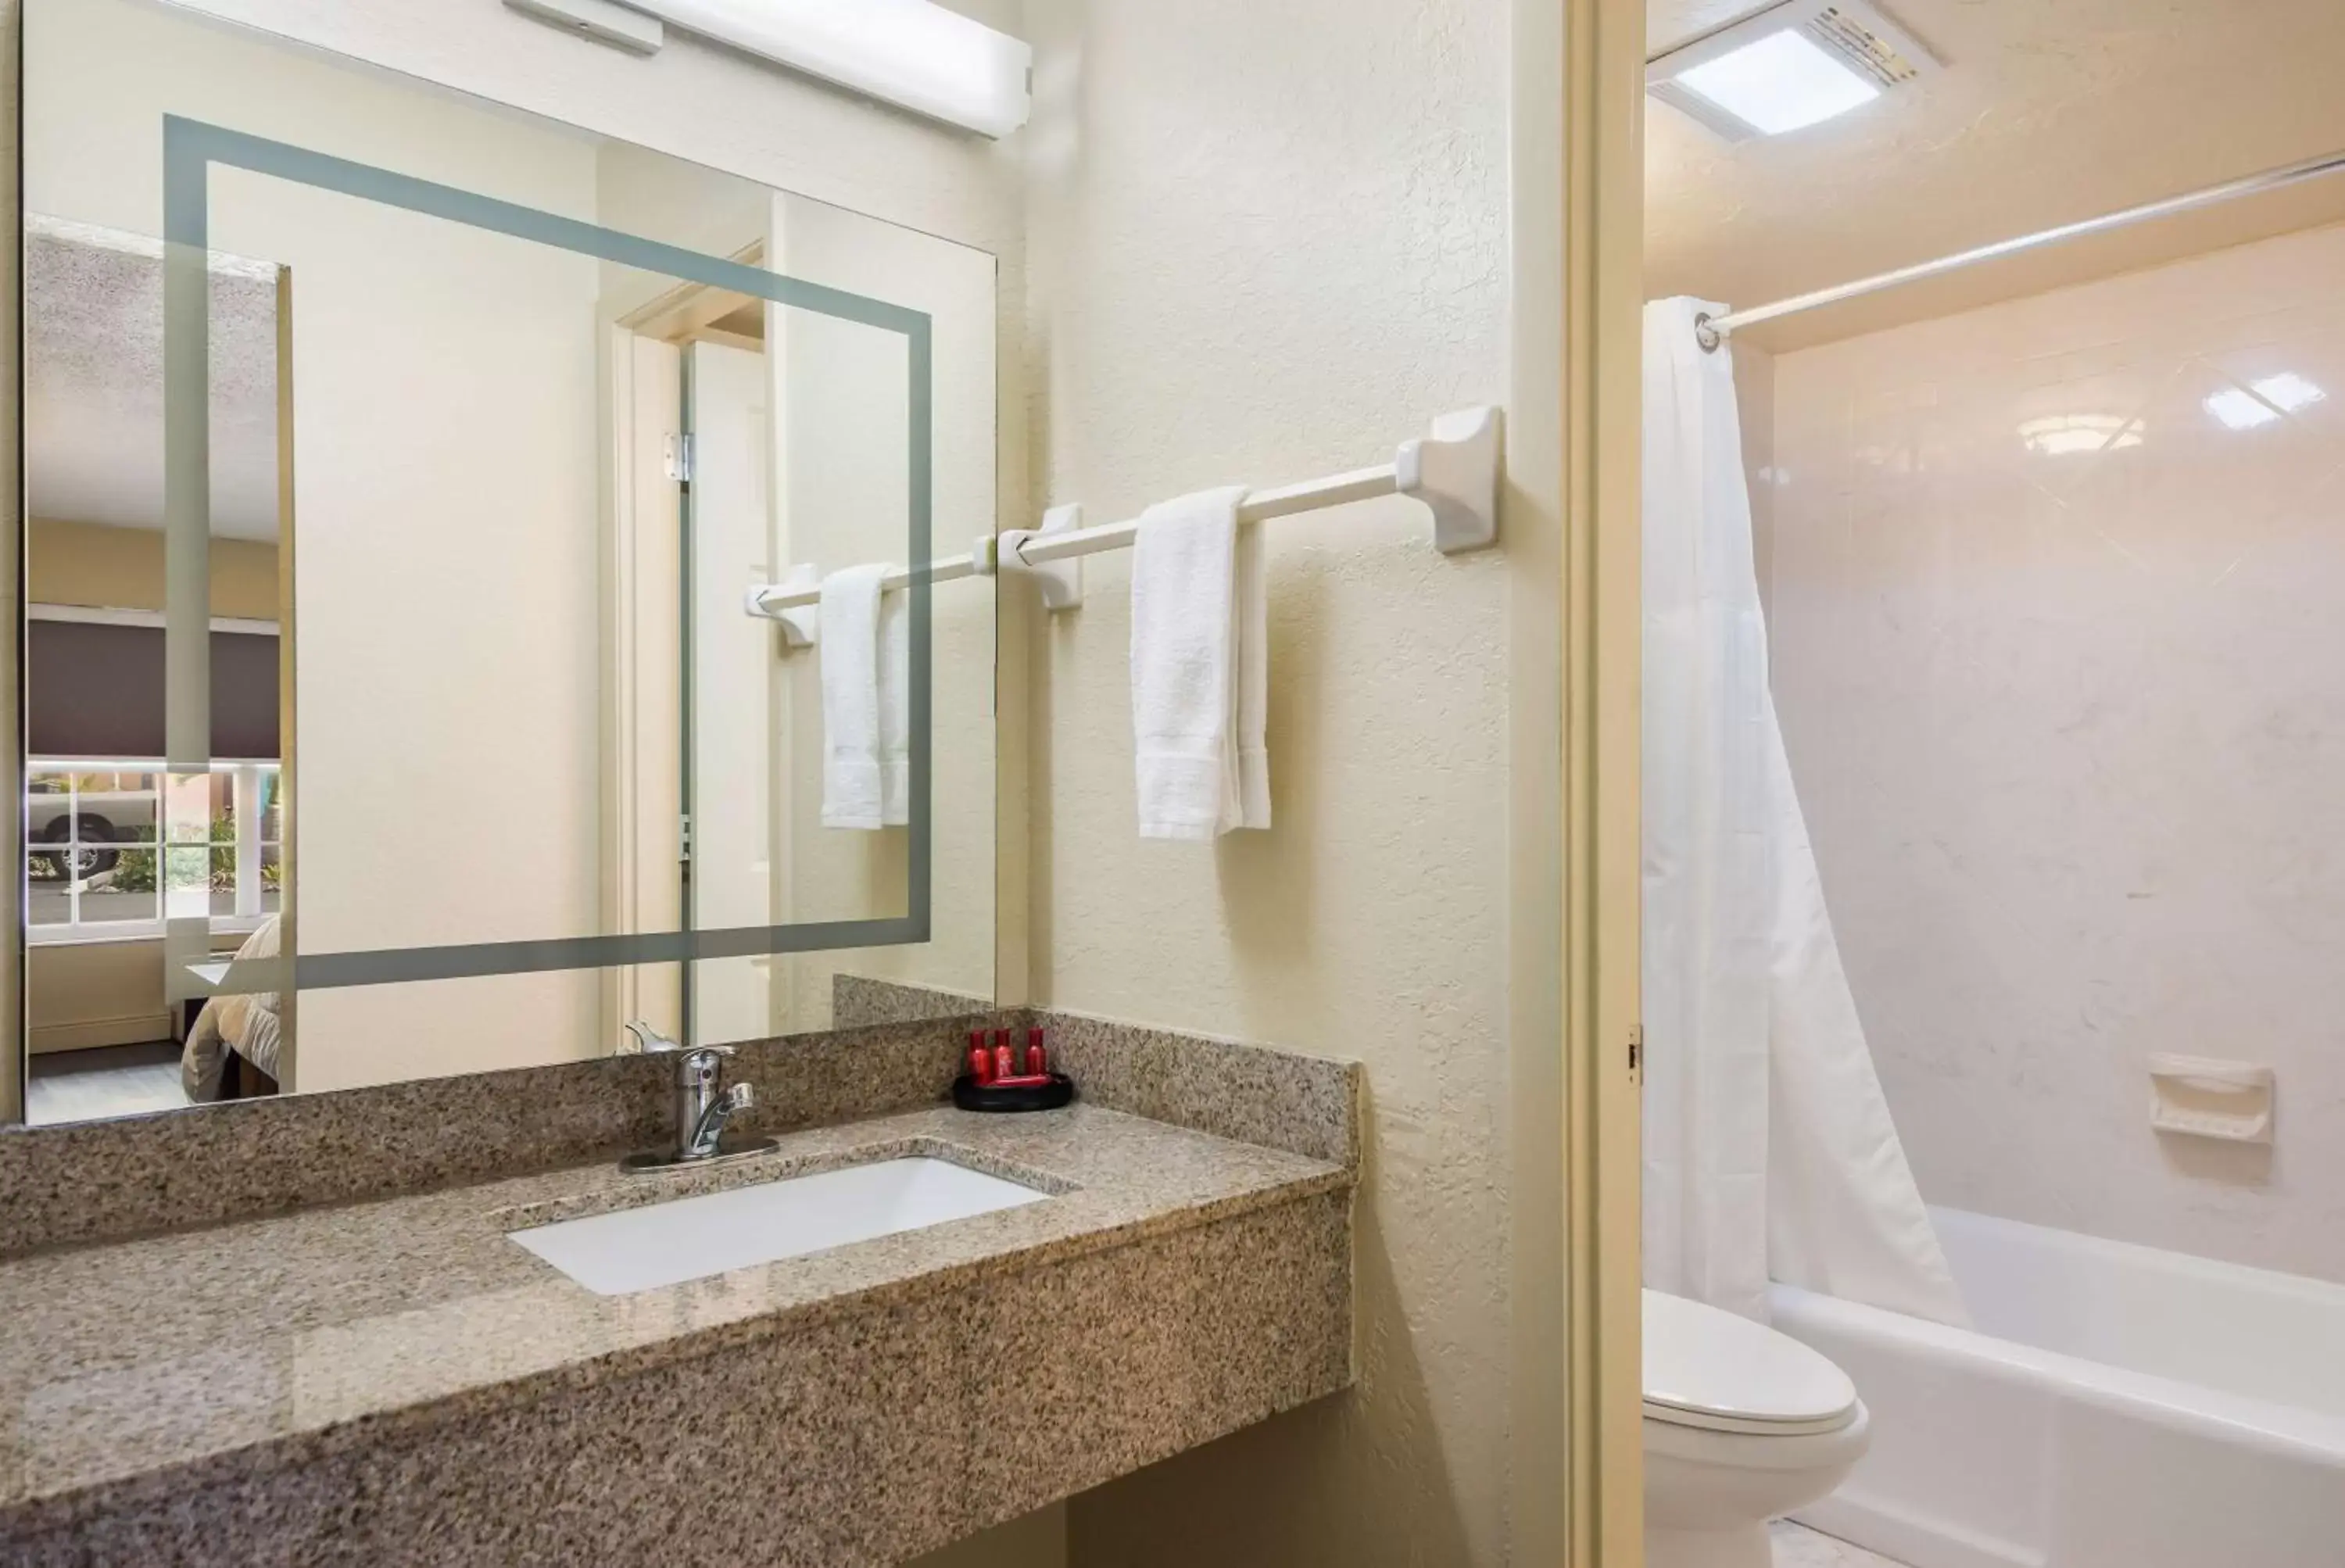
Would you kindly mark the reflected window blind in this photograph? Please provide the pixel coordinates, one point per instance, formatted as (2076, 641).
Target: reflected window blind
(97, 691)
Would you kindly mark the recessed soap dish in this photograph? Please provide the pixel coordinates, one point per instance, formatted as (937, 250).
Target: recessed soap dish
(2205, 1098)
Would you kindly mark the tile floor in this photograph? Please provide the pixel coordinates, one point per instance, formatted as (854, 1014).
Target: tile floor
(1800, 1548)
(99, 1085)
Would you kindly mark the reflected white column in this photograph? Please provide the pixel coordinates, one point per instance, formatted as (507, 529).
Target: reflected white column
(249, 783)
(187, 856)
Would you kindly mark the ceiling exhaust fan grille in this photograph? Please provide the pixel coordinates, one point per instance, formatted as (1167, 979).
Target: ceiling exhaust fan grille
(1853, 36)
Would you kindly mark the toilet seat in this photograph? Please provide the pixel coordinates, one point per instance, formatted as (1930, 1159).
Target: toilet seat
(1707, 1370)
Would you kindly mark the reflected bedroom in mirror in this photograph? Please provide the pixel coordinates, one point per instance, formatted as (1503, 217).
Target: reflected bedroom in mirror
(476, 586)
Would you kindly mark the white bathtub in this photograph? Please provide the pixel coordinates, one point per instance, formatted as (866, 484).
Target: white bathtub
(2116, 1407)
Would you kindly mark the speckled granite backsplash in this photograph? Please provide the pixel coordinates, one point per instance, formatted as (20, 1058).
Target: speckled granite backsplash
(94, 1181)
(857, 1000)
(1248, 1094)
(104, 1180)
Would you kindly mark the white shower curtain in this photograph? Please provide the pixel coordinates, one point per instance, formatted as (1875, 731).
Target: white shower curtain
(1769, 1148)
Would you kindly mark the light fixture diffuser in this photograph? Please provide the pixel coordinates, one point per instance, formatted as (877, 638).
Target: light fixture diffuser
(2264, 401)
(1792, 66)
(910, 53)
(1782, 82)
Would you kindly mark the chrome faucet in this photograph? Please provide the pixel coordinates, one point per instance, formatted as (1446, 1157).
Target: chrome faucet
(703, 1106)
(701, 1110)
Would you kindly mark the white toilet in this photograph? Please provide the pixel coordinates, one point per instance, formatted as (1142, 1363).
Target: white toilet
(1742, 1425)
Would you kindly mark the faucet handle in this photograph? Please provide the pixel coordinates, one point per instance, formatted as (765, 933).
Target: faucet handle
(650, 1040)
(702, 1067)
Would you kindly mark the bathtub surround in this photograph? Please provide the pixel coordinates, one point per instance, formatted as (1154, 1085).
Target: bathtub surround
(410, 1387)
(2054, 588)
(1769, 1148)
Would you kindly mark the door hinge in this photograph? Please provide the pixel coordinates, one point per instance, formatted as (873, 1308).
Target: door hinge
(1637, 1050)
(684, 837)
(676, 452)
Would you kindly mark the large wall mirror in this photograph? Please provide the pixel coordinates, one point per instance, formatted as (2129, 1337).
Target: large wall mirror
(399, 468)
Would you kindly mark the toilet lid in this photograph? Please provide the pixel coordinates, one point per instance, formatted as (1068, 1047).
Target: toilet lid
(1705, 1367)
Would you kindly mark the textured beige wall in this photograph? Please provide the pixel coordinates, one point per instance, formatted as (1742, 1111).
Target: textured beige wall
(1269, 242)
(80, 995)
(122, 569)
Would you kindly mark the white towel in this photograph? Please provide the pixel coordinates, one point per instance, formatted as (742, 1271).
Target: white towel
(895, 707)
(865, 669)
(1200, 668)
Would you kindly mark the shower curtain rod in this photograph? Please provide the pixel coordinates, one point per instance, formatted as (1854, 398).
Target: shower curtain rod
(1712, 331)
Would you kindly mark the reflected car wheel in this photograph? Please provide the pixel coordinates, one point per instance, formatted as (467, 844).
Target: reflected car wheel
(86, 859)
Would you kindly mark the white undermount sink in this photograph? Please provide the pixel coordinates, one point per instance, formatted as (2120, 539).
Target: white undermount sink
(658, 1244)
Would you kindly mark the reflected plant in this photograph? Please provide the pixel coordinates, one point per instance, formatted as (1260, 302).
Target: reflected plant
(213, 865)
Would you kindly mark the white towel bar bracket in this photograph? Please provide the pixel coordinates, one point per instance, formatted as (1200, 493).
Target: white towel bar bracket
(1061, 582)
(800, 623)
(1453, 471)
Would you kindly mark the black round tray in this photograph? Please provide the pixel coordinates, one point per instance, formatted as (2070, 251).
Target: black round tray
(971, 1095)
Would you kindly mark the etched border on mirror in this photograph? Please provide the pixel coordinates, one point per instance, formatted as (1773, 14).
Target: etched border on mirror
(190, 149)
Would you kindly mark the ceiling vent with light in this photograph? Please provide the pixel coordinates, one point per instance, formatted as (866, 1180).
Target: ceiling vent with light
(1788, 67)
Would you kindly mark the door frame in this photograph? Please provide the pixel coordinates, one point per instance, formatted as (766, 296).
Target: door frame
(643, 806)
(1603, 237)
(647, 587)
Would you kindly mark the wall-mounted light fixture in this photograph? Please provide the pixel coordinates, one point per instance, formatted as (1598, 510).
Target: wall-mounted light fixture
(913, 53)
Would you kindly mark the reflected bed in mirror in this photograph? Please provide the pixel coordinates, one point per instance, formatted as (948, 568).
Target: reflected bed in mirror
(397, 464)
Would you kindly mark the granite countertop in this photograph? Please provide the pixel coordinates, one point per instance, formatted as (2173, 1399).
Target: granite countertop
(134, 1369)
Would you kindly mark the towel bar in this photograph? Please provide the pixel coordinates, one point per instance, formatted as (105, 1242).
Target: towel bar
(1453, 471)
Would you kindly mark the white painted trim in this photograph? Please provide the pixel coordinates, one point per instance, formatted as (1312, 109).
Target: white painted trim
(103, 933)
(100, 616)
(89, 1033)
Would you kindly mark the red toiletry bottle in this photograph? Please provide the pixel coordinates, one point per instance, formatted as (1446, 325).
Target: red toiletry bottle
(980, 1059)
(1001, 1064)
(1038, 1060)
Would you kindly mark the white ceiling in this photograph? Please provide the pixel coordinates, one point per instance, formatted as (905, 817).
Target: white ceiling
(94, 383)
(2049, 111)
